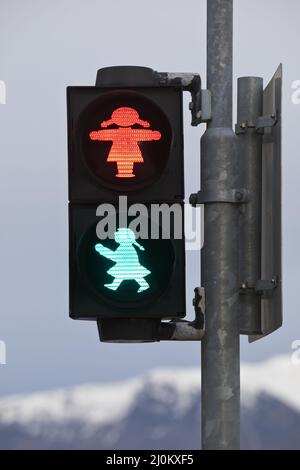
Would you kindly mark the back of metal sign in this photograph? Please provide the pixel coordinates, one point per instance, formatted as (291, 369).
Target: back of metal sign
(271, 262)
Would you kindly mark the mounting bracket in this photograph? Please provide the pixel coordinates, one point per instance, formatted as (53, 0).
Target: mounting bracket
(233, 196)
(182, 330)
(261, 124)
(261, 287)
(200, 105)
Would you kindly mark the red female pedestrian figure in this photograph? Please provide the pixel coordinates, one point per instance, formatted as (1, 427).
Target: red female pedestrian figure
(125, 150)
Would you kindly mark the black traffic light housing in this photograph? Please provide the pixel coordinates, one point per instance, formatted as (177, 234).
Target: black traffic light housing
(149, 104)
(90, 300)
(160, 177)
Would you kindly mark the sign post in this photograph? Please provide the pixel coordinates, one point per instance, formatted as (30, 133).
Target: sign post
(220, 356)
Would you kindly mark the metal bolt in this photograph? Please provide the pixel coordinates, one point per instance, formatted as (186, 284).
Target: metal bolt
(239, 196)
(193, 199)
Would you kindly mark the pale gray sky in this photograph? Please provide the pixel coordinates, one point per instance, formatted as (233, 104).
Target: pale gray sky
(45, 46)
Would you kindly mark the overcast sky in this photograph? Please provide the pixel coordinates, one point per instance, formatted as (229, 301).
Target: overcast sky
(45, 46)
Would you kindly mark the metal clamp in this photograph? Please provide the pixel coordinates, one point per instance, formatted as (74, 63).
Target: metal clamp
(261, 287)
(261, 124)
(206, 110)
(199, 306)
(182, 330)
(232, 196)
(243, 126)
(188, 82)
(265, 121)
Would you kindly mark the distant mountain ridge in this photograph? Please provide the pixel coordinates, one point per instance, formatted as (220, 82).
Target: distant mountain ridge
(159, 410)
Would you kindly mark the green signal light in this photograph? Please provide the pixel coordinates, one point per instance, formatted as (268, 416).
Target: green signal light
(127, 265)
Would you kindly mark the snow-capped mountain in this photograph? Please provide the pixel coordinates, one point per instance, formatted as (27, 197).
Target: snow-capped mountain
(160, 410)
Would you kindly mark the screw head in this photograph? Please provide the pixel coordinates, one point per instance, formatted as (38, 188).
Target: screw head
(239, 195)
(193, 199)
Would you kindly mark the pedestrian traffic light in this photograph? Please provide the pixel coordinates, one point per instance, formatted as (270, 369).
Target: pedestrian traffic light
(124, 275)
(125, 151)
(126, 143)
(125, 137)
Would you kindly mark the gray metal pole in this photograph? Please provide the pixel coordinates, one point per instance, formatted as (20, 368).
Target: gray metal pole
(250, 108)
(219, 261)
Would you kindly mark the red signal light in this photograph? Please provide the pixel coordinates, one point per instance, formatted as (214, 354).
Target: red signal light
(125, 150)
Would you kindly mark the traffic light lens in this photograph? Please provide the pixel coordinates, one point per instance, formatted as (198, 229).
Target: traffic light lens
(127, 265)
(125, 140)
(125, 150)
(125, 270)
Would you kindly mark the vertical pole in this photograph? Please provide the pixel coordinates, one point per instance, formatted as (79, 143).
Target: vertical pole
(219, 261)
(250, 107)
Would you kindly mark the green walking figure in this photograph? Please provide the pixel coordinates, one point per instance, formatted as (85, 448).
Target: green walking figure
(127, 261)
